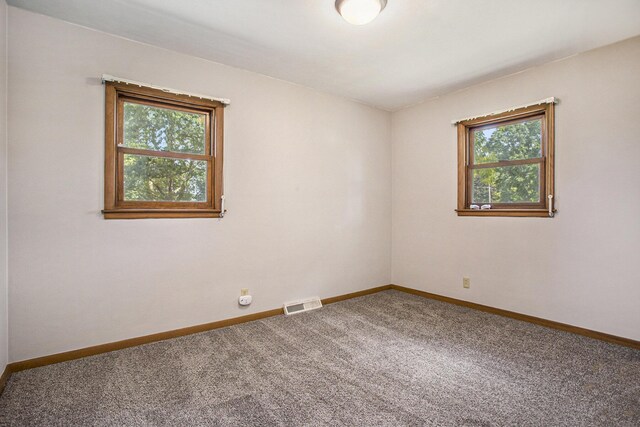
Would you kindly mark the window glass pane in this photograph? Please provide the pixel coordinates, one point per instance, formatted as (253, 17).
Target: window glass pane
(164, 180)
(517, 141)
(163, 129)
(506, 184)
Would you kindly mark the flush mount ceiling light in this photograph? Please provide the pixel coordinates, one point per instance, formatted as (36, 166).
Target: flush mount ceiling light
(360, 12)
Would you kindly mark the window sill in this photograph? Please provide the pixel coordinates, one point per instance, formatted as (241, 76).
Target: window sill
(539, 213)
(159, 213)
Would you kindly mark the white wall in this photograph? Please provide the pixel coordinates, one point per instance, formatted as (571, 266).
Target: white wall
(308, 187)
(4, 332)
(582, 267)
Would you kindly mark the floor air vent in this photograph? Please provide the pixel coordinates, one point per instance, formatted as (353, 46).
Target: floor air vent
(302, 306)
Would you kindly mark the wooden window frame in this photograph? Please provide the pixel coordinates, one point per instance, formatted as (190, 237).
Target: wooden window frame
(466, 166)
(115, 207)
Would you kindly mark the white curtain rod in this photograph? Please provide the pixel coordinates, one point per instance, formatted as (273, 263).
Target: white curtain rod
(108, 78)
(551, 100)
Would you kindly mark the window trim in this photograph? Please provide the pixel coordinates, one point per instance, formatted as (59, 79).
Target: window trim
(465, 145)
(115, 207)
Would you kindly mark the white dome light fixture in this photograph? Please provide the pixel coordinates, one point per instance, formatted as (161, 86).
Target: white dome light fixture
(360, 12)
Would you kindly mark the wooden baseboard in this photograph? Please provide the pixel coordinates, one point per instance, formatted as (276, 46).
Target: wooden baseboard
(132, 342)
(332, 300)
(4, 378)
(627, 342)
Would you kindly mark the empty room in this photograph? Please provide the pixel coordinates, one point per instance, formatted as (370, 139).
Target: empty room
(319, 213)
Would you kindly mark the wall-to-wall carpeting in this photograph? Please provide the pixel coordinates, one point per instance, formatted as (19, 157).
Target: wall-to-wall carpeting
(385, 359)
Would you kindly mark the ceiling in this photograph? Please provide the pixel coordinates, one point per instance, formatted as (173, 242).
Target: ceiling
(415, 49)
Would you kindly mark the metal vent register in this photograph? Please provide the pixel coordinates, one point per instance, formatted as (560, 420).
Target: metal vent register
(302, 306)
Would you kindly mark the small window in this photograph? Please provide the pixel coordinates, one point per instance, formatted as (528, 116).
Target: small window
(163, 156)
(505, 163)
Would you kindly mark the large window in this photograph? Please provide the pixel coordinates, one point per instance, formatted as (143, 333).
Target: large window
(505, 163)
(163, 156)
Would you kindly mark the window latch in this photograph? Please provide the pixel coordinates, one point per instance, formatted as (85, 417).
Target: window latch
(550, 196)
(222, 209)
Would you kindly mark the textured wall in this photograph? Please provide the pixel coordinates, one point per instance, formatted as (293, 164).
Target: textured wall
(308, 185)
(308, 190)
(582, 267)
(4, 332)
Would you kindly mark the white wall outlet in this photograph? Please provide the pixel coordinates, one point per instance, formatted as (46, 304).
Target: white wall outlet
(245, 300)
(244, 291)
(466, 282)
